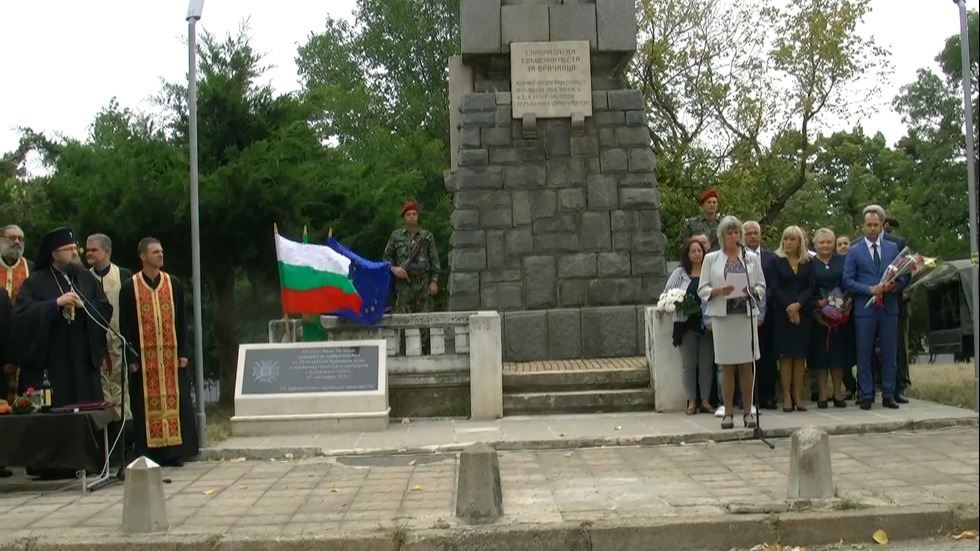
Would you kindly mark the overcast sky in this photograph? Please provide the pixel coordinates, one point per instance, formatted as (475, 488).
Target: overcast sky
(63, 60)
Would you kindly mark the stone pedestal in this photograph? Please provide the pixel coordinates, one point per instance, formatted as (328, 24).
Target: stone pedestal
(665, 363)
(144, 503)
(311, 387)
(486, 367)
(478, 495)
(810, 473)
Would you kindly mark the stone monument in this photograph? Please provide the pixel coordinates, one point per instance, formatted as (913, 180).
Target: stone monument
(556, 218)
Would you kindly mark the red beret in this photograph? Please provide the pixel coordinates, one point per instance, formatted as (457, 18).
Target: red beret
(708, 195)
(410, 206)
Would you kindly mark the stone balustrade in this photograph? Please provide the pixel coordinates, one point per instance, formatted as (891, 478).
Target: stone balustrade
(434, 360)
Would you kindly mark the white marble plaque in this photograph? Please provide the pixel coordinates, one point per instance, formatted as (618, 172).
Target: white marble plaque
(550, 79)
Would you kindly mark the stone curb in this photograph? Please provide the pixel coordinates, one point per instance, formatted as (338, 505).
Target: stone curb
(722, 532)
(266, 454)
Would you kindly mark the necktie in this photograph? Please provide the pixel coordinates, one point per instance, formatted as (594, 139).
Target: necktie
(874, 247)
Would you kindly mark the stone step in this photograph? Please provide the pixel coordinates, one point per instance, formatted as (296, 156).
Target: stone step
(579, 401)
(564, 381)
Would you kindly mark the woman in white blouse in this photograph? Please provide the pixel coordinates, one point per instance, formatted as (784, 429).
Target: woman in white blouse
(733, 316)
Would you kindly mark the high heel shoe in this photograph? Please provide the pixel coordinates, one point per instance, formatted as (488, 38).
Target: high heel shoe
(749, 420)
(821, 404)
(840, 403)
(799, 407)
(728, 422)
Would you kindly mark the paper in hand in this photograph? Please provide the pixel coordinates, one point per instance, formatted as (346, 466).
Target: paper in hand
(739, 282)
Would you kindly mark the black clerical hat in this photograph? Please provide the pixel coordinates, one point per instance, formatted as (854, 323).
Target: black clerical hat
(51, 242)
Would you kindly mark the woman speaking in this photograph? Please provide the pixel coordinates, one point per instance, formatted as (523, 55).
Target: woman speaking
(728, 277)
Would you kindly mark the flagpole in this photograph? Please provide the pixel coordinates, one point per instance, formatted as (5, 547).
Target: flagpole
(287, 327)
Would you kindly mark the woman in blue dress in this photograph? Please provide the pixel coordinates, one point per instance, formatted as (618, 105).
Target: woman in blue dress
(831, 348)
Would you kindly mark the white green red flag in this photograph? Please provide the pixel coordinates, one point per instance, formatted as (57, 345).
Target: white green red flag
(315, 279)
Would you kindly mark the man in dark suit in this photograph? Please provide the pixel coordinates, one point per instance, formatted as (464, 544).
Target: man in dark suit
(766, 365)
(903, 381)
(865, 263)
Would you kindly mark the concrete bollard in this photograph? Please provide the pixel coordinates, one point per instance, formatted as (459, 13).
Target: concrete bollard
(144, 504)
(810, 472)
(478, 496)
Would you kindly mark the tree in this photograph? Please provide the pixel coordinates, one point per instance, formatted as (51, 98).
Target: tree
(379, 89)
(818, 50)
(261, 162)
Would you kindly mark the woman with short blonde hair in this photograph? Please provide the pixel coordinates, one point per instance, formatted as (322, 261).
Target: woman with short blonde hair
(733, 320)
(830, 349)
(790, 307)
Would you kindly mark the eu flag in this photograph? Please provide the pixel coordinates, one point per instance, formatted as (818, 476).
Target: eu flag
(372, 281)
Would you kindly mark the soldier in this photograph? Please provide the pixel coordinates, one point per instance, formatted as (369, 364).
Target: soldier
(706, 222)
(414, 263)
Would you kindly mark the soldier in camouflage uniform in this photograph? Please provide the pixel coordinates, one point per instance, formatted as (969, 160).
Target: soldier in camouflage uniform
(706, 222)
(414, 263)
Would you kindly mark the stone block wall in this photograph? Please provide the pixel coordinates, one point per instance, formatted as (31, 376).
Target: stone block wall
(555, 218)
(556, 221)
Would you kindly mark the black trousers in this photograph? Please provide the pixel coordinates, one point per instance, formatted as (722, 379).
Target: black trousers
(766, 373)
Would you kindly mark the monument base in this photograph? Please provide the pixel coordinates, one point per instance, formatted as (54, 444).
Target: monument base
(274, 425)
(311, 387)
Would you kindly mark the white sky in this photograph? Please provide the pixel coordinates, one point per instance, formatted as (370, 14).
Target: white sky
(63, 60)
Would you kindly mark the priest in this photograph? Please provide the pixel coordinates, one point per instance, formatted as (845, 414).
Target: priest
(151, 316)
(52, 330)
(98, 254)
(14, 269)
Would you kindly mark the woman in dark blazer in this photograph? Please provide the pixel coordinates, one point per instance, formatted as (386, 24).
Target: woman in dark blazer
(791, 310)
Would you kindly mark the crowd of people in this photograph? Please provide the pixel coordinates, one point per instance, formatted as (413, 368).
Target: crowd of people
(760, 320)
(95, 333)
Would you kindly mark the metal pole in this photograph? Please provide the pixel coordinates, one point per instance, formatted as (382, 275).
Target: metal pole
(971, 178)
(196, 234)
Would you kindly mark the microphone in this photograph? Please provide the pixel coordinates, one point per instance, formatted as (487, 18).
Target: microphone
(76, 269)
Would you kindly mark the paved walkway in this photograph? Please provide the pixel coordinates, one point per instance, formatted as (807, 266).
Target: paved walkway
(383, 495)
(571, 431)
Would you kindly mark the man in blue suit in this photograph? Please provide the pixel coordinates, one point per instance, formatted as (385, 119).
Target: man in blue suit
(865, 263)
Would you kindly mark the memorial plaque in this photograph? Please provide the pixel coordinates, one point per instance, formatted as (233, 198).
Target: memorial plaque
(292, 369)
(550, 79)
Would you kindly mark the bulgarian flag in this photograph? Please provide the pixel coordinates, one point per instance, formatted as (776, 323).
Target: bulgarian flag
(314, 279)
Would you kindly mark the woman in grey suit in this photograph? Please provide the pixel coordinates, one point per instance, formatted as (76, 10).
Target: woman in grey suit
(734, 318)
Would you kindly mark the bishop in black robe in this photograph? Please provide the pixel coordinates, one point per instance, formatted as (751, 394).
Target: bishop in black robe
(148, 399)
(62, 340)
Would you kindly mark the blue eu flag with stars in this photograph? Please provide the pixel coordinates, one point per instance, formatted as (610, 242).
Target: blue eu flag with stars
(372, 280)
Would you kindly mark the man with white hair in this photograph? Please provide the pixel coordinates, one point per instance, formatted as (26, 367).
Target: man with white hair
(14, 269)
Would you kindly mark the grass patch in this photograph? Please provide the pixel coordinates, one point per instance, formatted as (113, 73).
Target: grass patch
(218, 424)
(949, 384)
(846, 503)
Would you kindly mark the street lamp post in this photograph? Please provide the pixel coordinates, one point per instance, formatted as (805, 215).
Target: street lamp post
(194, 10)
(971, 178)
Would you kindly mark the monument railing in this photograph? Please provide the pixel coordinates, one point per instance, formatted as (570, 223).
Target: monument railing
(432, 349)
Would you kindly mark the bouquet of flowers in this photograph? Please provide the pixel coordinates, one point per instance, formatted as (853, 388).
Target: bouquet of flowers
(678, 300)
(834, 308)
(907, 262)
(25, 403)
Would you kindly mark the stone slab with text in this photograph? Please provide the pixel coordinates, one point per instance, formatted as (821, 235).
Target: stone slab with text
(551, 79)
(311, 387)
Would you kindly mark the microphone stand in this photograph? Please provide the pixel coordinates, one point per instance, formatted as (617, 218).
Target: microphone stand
(757, 432)
(126, 348)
